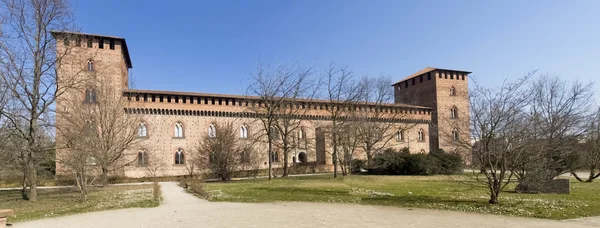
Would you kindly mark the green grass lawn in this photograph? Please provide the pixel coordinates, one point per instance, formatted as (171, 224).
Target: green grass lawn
(57, 202)
(455, 193)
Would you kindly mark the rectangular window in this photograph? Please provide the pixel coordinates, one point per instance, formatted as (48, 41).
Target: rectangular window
(89, 42)
(421, 79)
(112, 44)
(101, 43)
(413, 81)
(463, 77)
(451, 76)
(428, 76)
(406, 84)
(446, 75)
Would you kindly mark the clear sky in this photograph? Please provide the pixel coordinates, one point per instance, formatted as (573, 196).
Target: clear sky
(202, 46)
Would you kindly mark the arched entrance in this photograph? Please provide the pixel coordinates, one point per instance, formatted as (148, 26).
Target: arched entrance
(302, 157)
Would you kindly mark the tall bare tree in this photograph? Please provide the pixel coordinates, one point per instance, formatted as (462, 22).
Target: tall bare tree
(376, 126)
(588, 156)
(269, 94)
(499, 125)
(114, 130)
(28, 64)
(559, 110)
(342, 91)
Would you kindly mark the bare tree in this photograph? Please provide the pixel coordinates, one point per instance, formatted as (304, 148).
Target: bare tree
(348, 141)
(342, 92)
(559, 111)
(269, 95)
(115, 130)
(153, 163)
(376, 126)
(499, 125)
(588, 155)
(222, 152)
(28, 64)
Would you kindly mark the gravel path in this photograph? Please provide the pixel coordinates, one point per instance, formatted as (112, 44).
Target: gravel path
(180, 209)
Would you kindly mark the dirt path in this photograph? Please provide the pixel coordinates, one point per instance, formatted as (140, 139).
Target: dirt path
(180, 209)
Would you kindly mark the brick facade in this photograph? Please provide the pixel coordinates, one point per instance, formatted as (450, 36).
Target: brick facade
(161, 110)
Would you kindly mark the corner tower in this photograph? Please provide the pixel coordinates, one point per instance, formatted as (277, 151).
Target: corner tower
(447, 92)
(84, 63)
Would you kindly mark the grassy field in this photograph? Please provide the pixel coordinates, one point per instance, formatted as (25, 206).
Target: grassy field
(435, 192)
(57, 202)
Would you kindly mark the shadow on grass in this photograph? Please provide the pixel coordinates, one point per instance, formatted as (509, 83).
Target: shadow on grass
(303, 191)
(419, 201)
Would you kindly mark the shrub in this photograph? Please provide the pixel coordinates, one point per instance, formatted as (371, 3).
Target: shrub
(391, 162)
(357, 165)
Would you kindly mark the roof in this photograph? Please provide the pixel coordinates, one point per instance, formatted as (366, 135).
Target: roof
(137, 91)
(125, 50)
(427, 70)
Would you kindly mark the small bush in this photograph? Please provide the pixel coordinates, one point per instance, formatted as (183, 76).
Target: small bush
(357, 165)
(391, 162)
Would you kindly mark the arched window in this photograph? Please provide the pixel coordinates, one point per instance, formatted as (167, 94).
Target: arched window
(452, 91)
(453, 113)
(455, 135)
(90, 65)
(244, 131)
(212, 131)
(274, 132)
(301, 133)
(142, 131)
(142, 158)
(400, 135)
(421, 136)
(178, 130)
(179, 157)
(90, 96)
(274, 157)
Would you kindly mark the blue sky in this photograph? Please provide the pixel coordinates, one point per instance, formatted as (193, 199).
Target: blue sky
(213, 47)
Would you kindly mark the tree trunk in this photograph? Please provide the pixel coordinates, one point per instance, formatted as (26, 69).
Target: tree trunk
(334, 157)
(104, 177)
(493, 198)
(285, 159)
(24, 190)
(575, 175)
(270, 155)
(32, 176)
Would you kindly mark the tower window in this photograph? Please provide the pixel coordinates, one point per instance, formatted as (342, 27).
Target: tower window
(455, 135)
(244, 131)
(451, 75)
(78, 42)
(406, 84)
(445, 75)
(463, 77)
(89, 42)
(101, 43)
(452, 91)
(90, 65)
(453, 113)
(428, 76)
(112, 44)
(413, 81)
(421, 136)
(420, 78)
(142, 130)
(90, 96)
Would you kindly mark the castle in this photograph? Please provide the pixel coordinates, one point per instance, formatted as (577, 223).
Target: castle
(173, 122)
